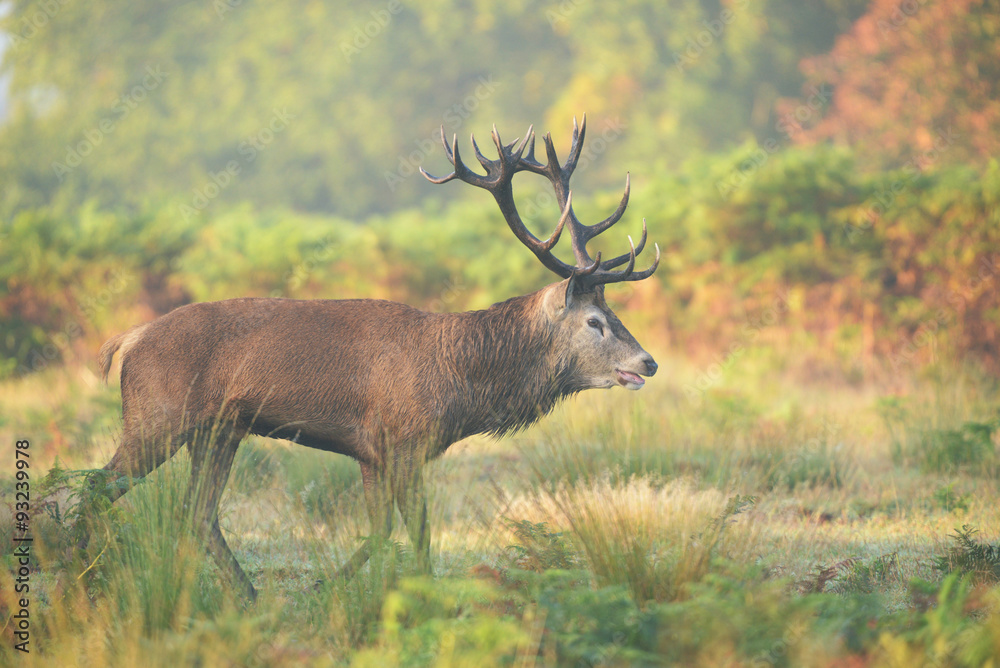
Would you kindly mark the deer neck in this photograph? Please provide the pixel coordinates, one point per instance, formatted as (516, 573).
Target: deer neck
(506, 368)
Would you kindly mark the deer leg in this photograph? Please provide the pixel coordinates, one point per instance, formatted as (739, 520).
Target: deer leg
(378, 499)
(135, 458)
(225, 559)
(411, 498)
(211, 461)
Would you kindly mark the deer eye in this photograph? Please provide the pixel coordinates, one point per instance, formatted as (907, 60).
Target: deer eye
(596, 324)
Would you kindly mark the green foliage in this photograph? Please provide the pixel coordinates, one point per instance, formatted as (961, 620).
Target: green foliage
(968, 556)
(591, 626)
(969, 445)
(363, 598)
(152, 567)
(947, 498)
(74, 499)
(334, 110)
(869, 576)
(809, 467)
(538, 548)
(936, 439)
(731, 613)
(444, 622)
(790, 251)
(67, 277)
(946, 633)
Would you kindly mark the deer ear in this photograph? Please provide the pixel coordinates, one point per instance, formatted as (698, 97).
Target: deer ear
(560, 297)
(570, 290)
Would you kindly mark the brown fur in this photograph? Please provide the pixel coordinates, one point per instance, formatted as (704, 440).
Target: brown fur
(346, 375)
(381, 382)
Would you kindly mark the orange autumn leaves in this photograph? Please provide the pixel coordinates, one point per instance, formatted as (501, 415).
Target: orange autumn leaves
(906, 75)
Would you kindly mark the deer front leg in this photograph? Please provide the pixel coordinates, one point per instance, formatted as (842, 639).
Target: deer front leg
(411, 497)
(378, 499)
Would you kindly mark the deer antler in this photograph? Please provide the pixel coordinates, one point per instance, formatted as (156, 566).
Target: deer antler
(511, 159)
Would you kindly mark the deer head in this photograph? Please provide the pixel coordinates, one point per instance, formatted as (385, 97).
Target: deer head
(602, 352)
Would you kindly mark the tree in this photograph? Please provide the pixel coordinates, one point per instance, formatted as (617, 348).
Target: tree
(914, 82)
(332, 106)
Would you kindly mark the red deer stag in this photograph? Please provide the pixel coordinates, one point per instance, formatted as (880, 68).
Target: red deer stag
(378, 381)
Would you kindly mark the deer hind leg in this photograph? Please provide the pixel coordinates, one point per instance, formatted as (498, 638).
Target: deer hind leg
(378, 499)
(212, 458)
(227, 561)
(137, 456)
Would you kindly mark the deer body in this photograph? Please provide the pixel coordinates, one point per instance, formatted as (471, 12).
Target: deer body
(355, 377)
(381, 382)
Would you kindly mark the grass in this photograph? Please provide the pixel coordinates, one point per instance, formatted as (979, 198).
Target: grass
(772, 523)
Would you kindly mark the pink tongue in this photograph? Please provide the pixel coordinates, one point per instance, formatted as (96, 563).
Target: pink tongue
(632, 378)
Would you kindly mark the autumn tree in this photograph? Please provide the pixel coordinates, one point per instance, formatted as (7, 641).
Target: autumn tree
(914, 82)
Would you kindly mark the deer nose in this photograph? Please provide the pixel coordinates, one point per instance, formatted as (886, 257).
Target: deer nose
(651, 366)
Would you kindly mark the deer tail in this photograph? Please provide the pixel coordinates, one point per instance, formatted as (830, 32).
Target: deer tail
(120, 343)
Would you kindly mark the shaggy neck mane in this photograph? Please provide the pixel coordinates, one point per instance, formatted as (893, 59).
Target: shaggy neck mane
(506, 373)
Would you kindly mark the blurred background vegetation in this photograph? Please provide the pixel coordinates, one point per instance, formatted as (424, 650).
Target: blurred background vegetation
(804, 483)
(833, 158)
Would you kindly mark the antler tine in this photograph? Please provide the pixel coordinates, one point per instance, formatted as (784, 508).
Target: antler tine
(531, 145)
(576, 146)
(591, 268)
(593, 230)
(549, 243)
(646, 273)
(627, 271)
(451, 158)
(605, 277)
(619, 276)
(436, 179)
(553, 160)
(461, 172)
(621, 259)
(528, 136)
(499, 144)
(483, 160)
(447, 146)
(497, 181)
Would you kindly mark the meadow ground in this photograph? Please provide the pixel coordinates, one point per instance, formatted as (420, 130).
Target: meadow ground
(764, 521)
